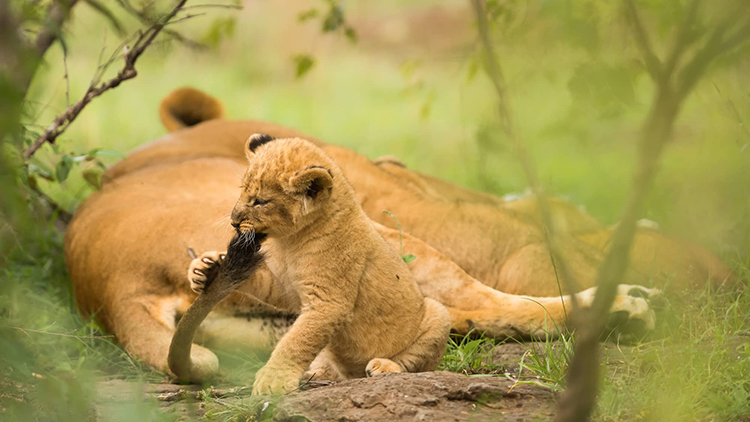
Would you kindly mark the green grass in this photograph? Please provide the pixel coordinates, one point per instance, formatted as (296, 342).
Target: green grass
(695, 367)
(373, 99)
(470, 356)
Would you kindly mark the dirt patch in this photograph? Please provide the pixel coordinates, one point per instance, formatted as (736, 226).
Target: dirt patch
(431, 396)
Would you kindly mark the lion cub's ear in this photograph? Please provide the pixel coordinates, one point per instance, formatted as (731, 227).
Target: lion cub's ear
(254, 141)
(315, 181)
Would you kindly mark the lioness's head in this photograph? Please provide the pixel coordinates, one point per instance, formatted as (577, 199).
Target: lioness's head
(288, 184)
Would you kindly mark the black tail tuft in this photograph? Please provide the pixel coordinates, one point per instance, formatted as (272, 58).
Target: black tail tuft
(243, 257)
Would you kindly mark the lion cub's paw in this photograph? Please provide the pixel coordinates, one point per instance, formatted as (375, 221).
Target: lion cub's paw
(380, 366)
(272, 380)
(204, 269)
(632, 313)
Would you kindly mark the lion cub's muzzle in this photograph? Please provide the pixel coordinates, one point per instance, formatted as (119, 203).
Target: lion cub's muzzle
(247, 231)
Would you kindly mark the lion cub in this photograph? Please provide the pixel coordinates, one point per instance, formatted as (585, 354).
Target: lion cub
(361, 311)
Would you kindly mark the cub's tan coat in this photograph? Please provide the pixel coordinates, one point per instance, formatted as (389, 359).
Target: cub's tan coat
(358, 299)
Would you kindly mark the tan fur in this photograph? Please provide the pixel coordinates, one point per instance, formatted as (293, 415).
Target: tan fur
(126, 246)
(354, 289)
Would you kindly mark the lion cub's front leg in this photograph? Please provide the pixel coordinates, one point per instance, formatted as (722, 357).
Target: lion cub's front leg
(309, 335)
(204, 269)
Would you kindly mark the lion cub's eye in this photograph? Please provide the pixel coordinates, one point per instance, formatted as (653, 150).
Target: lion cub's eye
(259, 202)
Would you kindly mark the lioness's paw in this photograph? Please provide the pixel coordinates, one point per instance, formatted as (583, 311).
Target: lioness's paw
(272, 380)
(632, 313)
(379, 366)
(203, 270)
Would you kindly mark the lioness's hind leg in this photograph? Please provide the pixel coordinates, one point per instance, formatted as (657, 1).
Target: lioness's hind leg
(427, 350)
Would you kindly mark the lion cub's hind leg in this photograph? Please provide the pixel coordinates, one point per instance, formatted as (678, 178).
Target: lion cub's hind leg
(380, 366)
(325, 367)
(427, 350)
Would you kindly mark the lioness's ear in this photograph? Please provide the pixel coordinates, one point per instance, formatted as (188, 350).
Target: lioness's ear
(312, 181)
(254, 141)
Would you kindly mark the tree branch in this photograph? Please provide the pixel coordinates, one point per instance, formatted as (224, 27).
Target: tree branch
(683, 39)
(59, 12)
(653, 65)
(496, 77)
(20, 58)
(128, 71)
(146, 20)
(579, 399)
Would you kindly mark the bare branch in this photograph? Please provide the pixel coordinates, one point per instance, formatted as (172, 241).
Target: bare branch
(19, 58)
(496, 77)
(63, 215)
(58, 14)
(146, 20)
(682, 41)
(213, 6)
(128, 71)
(717, 44)
(184, 18)
(67, 77)
(653, 65)
(737, 39)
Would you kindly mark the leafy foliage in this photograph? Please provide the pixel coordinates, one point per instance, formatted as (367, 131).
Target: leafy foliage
(332, 21)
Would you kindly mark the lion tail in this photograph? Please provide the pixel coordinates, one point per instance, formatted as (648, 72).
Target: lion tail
(187, 106)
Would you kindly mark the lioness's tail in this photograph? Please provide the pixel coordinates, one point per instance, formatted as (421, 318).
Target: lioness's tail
(187, 106)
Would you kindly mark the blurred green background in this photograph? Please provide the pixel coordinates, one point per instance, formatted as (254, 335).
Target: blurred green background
(412, 86)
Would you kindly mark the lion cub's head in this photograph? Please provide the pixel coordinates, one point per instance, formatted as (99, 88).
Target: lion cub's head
(288, 185)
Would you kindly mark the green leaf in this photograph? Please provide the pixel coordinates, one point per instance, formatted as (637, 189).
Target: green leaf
(350, 34)
(36, 170)
(408, 258)
(62, 170)
(303, 64)
(306, 15)
(334, 19)
(93, 176)
(31, 181)
(99, 152)
(218, 30)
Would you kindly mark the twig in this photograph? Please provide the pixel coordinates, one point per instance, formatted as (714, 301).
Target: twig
(496, 77)
(29, 330)
(213, 6)
(62, 214)
(58, 13)
(128, 71)
(67, 77)
(683, 39)
(653, 65)
(146, 20)
(578, 401)
(184, 18)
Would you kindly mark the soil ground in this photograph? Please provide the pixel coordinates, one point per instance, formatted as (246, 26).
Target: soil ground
(432, 396)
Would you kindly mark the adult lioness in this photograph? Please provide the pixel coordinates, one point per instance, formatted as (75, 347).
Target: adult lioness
(125, 248)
